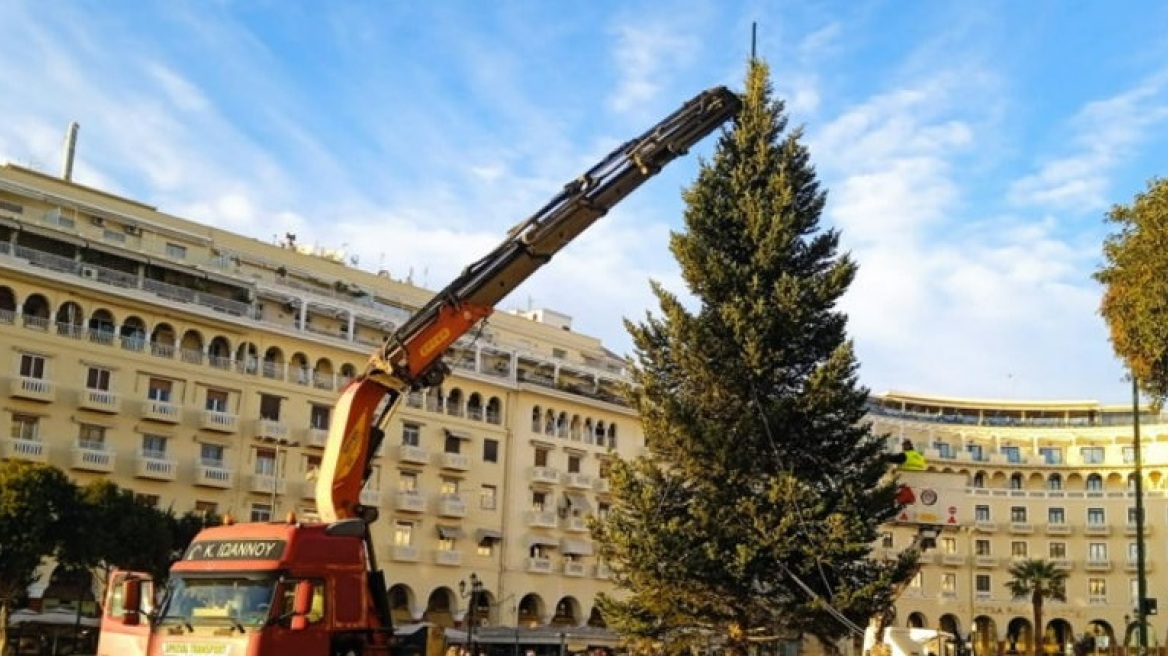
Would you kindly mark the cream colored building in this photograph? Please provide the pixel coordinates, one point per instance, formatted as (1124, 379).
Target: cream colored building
(197, 368)
(1050, 480)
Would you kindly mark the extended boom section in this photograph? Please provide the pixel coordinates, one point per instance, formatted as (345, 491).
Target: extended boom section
(412, 357)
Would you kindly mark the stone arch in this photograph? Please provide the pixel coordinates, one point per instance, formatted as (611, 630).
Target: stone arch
(132, 333)
(562, 424)
(163, 341)
(1016, 481)
(348, 373)
(1115, 481)
(950, 624)
(1019, 635)
(1058, 635)
(536, 416)
(530, 611)
(273, 365)
(191, 347)
(611, 436)
(598, 436)
(1093, 483)
(441, 606)
(298, 368)
(7, 304)
(219, 352)
(494, 410)
(1035, 481)
(916, 621)
(247, 357)
(985, 635)
(454, 401)
(401, 604)
(568, 613)
(70, 320)
(575, 428)
(322, 374)
(35, 312)
(549, 422)
(101, 326)
(596, 619)
(474, 406)
(1054, 481)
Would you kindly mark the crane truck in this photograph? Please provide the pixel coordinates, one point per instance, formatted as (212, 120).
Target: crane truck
(308, 588)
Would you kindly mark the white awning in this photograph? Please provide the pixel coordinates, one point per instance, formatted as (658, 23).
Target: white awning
(484, 534)
(450, 532)
(457, 435)
(542, 541)
(578, 501)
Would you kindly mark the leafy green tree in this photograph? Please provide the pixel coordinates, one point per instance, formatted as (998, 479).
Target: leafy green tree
(755, 511)
(1039, 580)
(1135, 277)
(37, 504)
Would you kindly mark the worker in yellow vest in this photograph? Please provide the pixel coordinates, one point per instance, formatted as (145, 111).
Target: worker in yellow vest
(909, 458)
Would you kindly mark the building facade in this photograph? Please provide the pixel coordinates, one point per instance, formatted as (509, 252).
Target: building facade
(198, 368)
(1052, 481)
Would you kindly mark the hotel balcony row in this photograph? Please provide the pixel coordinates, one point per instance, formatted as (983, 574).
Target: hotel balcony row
(1067, 564)
(339, 323)
(1097, 530)
(454, 558)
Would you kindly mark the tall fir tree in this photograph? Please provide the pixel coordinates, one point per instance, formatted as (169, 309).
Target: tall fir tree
(759, 501)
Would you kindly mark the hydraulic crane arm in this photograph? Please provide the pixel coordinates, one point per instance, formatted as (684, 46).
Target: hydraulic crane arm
(411, 357)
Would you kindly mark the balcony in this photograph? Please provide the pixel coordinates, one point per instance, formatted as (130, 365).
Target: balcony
(540, 518)
(211, 474)
(92, 458)
(308, 490)
(578, 481)
(545, 475)
(317, 437)
(538, 565)
(410, 501)
(1130, 529)
(162, 411)
(33, 389)
(413, 454)
(574, 568)
(1097, 530)
(985, 526)
(1063, 564)
(371, 498)
(1021, 528)
(156, 467)
(455, 461)
(99, 401)
(1097, 565)
(603, 571)
(447, 557)
(985, 561)
(1133, 566)
(576, 524)
(405, 553)
(267, 484)
(272, 430)
(220, 422)
(452, 505)
(952, 560)
(602, 485)
(1058, 529)
(12, 448)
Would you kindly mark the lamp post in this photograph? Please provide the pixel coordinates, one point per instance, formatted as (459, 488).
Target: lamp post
(1141, 573)
(472, 595)
(282, 446)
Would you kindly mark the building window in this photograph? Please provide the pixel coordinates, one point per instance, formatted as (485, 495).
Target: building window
(944, 449)
(541, 457)
(97, 378)
(1018, 515)
(982, 583)
(159, 389)
(217, 400)
(265, 462)
(948, 545)
(979, 480)
(318, 416)
(981, 513)
(485, 548)
(1097, 590)
(917, 580)
(982, 547)
(211, 455)
(261, 512)
(1058, 550)
(1094, 483)
(453, 443)
(91, 438)
(1056, 516)
(886, 540)
(206, 509)
(1019, 549)
(976, 452)
(1096, 517)
(1013, 455)
(407, 482)
(1097, 551)
(270, 407)
(948, 583)
(176, 251)
(403, 534)
(1016, 481)
(32, 366)
(1133, 516)
(573, 464)
(490, 450)
(24, 427)
(1133, 552)
(448, 487)
(154, 447)
(1051, 455)
(312, 467)
(538, 500)
(1129, 455)
(1092, 455)
(147, 499)
(488, 497)
(1054, 482)
(411, 434)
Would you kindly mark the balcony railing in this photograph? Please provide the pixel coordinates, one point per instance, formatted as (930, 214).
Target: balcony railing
(157, 467)
(222, 422)
(545, 475)
(413, 454)
(33, 389)
(447, 557)
(452, 505)
(19, 449)
(214, 475)
(539, 565)
(540, 518)
(455, 461)
(92, 459)
(99, 401)
(410, 502)
(163, 411)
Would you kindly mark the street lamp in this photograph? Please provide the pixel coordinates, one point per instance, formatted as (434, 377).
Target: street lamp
(1141, 571)
(476, 587)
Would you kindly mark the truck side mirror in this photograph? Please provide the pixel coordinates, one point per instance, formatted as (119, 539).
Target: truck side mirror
(132, 596)
(301, 605)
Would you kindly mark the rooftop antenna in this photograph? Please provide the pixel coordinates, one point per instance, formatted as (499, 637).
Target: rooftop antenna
(70, 150)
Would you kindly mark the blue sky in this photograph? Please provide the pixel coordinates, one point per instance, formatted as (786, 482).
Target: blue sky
(970, 149)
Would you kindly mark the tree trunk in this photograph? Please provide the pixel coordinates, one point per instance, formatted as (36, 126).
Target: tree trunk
(1036, 646)
(3, 627)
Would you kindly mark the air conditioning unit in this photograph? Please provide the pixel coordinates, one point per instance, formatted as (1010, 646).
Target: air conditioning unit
(89, 273)
(97, 221)
(133, 230)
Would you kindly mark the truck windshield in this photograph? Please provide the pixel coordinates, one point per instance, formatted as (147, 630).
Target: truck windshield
(239, 601)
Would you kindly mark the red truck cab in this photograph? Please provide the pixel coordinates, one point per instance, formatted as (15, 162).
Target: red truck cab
(258, 589)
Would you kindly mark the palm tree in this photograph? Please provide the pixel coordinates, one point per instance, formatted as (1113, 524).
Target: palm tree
(1038, 579)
